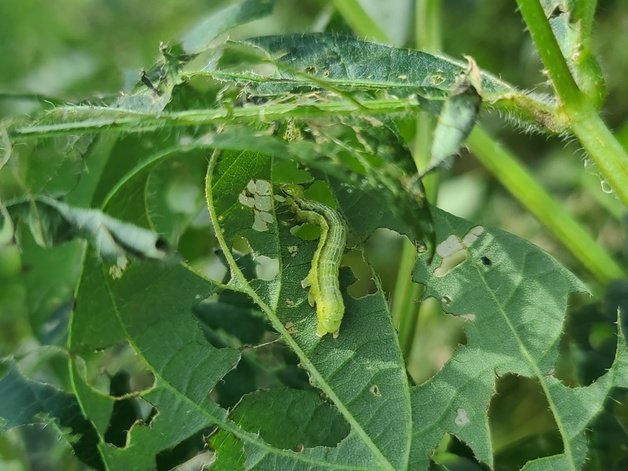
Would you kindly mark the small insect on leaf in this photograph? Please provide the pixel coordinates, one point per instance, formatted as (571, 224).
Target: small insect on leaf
(322, 278)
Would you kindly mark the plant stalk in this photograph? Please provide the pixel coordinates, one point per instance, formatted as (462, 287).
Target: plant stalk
(524, 187)
(406, 310)
(359, 20)
(585, 123)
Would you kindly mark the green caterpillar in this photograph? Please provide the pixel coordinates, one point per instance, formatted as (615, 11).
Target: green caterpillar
(322, 278)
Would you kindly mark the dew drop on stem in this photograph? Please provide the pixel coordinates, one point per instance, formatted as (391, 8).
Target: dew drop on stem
(606, 187)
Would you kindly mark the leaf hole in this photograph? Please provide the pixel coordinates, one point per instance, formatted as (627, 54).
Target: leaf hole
(453, 250)
(162, 245)
(556, 12)
(449, 263)
(115, 361)
(462, 418)
(304, 419)
(258, 195)
(178, 457)
(435, 343)
(454, 446)
(231, 314)
(291, 327)
(266, 268)
(363, 283)
(590, 344)
(126, 411)
(517, 401)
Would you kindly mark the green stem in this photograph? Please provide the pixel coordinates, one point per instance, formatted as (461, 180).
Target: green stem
(514, 177)
(590, 130)
(406, 306)
(427, 24)
(603, 148)
(129, 121)
(549, 50)
(359, 20)
(405, 309)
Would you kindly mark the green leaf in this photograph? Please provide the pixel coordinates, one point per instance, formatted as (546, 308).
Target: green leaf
(376, 401)
(53, 222)
(229, 453)
(26, 402)
(174, 194)
(285, 418)
(456, 119)
(185, 366)
(49, 298)
(95, 161)
(340, 61)
(513, 297)
(306, 109)
(313, 74)
(47, 165)
(355, 70)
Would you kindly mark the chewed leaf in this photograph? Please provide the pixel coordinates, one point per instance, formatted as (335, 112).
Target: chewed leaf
(514, 297)
(339, 61)
(150, 307)
(154, 89)
(376, 403)
(26, 402)
(53, 222)
(304, 420)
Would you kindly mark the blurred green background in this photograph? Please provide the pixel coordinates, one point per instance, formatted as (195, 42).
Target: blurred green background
(70, 50)
(74, 50)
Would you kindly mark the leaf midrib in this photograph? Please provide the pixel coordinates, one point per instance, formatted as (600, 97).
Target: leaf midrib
(277, 324)
(533, 365)
(225, 424)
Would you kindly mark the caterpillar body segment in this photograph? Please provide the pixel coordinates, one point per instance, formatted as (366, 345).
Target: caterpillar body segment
(322, 278)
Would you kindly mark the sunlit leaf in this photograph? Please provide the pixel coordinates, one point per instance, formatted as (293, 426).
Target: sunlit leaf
(53, 222)
(513, 297)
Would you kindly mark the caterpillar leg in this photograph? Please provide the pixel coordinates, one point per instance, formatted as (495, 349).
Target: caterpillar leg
(321, 331)
(310, 281)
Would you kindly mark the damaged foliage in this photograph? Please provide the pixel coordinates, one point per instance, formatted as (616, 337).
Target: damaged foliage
(188, 334)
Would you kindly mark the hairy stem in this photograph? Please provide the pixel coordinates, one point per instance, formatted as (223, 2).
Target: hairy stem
(584, 121)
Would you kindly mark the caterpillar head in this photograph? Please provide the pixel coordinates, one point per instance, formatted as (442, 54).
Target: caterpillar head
(293, 190)
(329, 319)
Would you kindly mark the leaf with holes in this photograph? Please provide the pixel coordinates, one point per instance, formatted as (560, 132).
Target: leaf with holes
(375, 402)
(513, 297)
